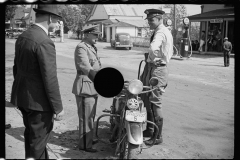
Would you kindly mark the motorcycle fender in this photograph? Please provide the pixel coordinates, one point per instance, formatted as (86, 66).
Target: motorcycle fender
(134, 132)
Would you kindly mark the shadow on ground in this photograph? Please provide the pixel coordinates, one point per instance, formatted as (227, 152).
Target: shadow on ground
(66, 143)
(212, 65)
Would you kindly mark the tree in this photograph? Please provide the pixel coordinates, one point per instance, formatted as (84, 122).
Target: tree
(74, 16)
(10, 12)
(194, 30)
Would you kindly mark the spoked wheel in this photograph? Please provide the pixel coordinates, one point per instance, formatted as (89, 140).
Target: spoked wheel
(124, 149)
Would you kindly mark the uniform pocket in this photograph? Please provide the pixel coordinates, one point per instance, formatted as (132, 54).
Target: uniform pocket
(87, 87)
(162, 74)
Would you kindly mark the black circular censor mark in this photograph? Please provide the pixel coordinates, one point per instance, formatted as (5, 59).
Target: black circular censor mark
(108, 82)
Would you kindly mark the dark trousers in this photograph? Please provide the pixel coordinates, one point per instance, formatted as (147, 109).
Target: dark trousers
(37, 133)
(226, 57)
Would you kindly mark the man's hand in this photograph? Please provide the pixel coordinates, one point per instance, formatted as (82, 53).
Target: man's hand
(59, 116)
(157, 60)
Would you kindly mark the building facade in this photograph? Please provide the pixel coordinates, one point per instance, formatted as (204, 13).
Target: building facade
(118, 18)
(215, 18)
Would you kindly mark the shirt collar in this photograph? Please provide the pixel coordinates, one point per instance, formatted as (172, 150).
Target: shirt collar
(41, 26)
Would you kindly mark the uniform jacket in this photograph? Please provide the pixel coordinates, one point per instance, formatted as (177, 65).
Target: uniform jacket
(161, 45)
(35, 83)
(86, 59)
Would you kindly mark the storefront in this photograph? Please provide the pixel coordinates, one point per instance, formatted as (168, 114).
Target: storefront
(217, 24)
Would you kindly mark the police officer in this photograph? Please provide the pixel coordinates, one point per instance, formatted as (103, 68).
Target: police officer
(227, 48)
(160, 52)
(87, 64)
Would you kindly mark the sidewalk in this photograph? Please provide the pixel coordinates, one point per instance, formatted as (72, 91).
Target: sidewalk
(211, 53)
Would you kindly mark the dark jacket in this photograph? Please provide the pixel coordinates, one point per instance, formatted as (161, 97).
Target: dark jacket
(35, 83)
(86, 62)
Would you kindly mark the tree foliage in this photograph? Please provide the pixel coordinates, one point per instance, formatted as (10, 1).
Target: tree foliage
(10, 12)
(181, 12)
(74, 16)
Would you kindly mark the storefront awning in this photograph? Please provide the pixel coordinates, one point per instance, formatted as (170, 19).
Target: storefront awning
(219, 13)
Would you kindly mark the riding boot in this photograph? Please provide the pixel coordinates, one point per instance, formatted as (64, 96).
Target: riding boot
(149, 128)
(159, 140)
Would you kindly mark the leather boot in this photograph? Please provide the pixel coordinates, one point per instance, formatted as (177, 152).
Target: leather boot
(149, 128)
(159, 140)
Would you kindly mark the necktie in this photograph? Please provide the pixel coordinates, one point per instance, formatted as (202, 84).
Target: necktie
(151, 39)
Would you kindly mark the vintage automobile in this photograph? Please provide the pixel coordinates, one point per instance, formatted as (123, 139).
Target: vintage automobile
(14, 33)
(122, 40)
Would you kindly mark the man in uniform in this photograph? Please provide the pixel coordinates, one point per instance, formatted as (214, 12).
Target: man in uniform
(160, 52)
(87, 64)
(227, 48)
(35, 87)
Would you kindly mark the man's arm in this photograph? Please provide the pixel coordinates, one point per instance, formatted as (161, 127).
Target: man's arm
(47, 61)
(15, 62)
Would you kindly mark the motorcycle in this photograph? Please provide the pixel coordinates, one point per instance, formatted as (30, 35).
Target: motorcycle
(127, 119)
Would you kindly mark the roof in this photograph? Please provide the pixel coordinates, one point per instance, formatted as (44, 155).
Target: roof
(125, 9)
(219, 13)
(104, 21)
(130, 9)
(137, 23)
(121, 24)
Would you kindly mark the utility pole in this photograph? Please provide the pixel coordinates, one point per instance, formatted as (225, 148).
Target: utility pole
(175, 28)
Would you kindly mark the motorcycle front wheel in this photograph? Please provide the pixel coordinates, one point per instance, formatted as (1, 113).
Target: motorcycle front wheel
(133, 150)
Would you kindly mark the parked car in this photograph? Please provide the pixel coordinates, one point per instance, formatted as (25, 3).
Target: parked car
(7, 32)
(122, 40)
(57, 32)
(14, 33)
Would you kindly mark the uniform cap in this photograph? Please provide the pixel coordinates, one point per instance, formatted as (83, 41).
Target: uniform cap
(92, 30)
(225, 38)
(153, 13)
(47, 9)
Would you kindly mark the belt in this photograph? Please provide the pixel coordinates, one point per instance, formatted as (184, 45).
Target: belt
(157, 65)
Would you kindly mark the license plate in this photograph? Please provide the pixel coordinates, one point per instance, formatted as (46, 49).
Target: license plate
(135, 116)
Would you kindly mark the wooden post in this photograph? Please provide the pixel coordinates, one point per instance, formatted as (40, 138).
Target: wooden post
(206, 35)
(226, 28)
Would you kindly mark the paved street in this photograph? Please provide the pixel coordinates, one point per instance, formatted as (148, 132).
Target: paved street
(198, 106)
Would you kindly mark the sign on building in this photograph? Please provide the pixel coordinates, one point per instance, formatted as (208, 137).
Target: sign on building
(216, 20)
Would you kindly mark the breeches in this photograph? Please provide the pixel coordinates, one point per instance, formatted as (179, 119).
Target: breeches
(37, 133)
(161, 73)
(86, 113)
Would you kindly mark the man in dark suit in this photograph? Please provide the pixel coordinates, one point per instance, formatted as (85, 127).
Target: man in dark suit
(35, 88)
(87, 65)
(227, 48)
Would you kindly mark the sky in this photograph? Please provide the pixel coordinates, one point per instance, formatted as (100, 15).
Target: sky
(193, 9)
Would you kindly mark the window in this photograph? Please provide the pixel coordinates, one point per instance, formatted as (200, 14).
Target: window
(139, 34)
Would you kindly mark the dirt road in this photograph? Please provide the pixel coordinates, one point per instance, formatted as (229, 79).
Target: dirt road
(198, 107)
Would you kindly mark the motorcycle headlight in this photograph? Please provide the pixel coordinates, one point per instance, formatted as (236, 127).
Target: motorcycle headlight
(132, 104)
(135, 86)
